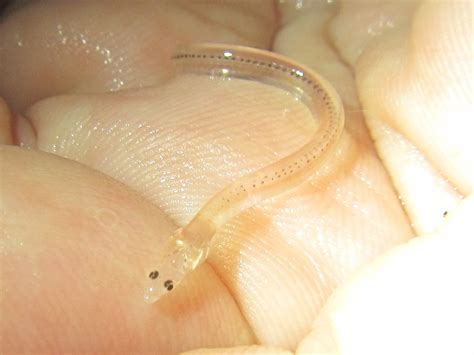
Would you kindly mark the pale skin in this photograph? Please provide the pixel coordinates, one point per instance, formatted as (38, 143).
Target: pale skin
(79, 238)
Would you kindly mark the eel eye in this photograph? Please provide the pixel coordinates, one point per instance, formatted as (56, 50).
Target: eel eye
(154, 274)
(168, 285)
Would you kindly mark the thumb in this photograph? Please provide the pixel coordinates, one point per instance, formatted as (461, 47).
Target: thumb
(413, 300)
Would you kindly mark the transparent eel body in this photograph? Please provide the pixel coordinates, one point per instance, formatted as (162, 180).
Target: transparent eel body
(188, 247)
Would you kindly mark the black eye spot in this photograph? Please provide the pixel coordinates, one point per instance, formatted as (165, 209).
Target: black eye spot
(168, 285)
(154, 274)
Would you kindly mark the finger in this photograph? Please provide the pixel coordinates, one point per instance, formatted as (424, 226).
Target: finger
(75, 246)
(414, 76)
(100, 46)
(414, 300)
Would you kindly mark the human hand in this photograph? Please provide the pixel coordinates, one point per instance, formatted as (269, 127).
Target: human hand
(77, 242)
